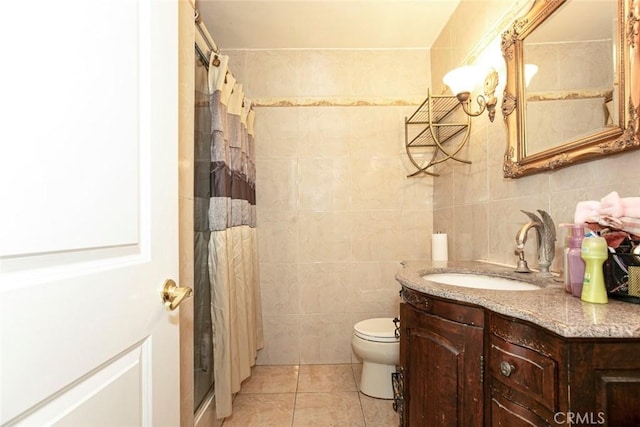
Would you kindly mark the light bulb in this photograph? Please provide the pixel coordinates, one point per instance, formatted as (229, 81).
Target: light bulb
(462, 79)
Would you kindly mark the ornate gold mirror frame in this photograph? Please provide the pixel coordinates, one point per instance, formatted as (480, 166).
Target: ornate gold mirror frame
(620, 137)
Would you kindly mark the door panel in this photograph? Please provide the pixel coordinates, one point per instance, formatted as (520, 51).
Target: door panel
(88, 225)
(73, 121)
(110, 395)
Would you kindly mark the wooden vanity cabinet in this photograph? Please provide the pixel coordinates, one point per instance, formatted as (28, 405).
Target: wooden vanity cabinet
(538, 378)
(441, 359)
(464, 365)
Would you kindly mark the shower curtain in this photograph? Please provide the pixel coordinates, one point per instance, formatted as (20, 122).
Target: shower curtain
(236, 311)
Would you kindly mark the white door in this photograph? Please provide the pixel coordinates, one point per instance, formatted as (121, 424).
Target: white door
(88, 212)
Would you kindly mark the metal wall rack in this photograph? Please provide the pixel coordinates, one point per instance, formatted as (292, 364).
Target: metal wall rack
(434, 125)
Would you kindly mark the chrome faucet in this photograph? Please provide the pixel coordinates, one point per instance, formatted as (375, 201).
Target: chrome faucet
(546, 239)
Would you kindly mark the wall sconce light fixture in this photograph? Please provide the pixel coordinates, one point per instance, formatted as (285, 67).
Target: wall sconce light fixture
(462, 81)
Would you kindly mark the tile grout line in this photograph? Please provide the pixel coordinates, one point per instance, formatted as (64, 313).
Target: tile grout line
(328, 377)
(295, 397)
(355, 380)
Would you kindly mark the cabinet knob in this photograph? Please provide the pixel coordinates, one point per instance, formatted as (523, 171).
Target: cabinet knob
(506, 368)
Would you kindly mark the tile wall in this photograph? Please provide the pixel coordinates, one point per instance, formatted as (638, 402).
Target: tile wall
(336, 213)
(475, 204)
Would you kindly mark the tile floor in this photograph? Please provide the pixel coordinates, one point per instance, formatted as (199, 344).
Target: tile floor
(306, 396)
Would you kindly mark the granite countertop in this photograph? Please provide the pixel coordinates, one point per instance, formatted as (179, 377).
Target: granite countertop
(549, 307)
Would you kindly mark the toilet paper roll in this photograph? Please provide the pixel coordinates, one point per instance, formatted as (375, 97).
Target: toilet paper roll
(439, 247)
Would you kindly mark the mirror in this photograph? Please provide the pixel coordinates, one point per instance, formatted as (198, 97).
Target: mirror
(578, 106)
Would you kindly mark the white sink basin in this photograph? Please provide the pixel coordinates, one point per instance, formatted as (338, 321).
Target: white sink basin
(480, 281)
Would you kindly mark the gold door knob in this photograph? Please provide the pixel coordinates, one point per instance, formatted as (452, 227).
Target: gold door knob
(172, 295)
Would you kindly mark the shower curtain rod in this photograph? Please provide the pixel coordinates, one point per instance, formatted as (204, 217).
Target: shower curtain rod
(205, 45)
(203, 57)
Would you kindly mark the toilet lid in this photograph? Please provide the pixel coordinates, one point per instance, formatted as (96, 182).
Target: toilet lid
(380, 329)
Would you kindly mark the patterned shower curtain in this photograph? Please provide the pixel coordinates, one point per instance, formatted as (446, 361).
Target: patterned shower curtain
(236, 311)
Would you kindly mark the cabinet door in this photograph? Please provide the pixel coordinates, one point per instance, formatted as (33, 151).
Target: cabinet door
(442, 362)
(607, 379)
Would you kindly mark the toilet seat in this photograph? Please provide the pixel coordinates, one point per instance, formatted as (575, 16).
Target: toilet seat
(380, 329)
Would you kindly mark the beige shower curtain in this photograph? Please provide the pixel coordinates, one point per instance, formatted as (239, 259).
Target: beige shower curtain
(233, 263)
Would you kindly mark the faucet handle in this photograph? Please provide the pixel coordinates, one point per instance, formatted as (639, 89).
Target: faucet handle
(522, 266)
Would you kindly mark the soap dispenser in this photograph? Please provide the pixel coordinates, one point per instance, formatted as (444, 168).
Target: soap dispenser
(573, 262)
(594, 252)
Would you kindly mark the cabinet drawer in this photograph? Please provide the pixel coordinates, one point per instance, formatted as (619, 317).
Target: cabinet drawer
(507, 413)
(524, 371)
(455, 311)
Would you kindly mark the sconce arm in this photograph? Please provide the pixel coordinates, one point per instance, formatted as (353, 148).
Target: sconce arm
(482, 102)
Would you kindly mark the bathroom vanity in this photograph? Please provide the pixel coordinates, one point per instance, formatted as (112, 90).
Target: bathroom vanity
(472, 357)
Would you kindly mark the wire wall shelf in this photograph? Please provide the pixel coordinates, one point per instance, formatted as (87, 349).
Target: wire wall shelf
(431, 131)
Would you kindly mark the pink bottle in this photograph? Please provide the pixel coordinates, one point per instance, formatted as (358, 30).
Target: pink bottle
(574, 264)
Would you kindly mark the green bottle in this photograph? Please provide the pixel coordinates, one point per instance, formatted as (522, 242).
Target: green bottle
(594, 252)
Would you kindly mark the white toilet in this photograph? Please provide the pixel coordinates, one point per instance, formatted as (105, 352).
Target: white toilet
(374, 342)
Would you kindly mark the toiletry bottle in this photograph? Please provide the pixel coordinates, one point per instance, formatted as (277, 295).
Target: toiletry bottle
(565, 264)
(575, 263)
(594, 253)
(568, 245)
